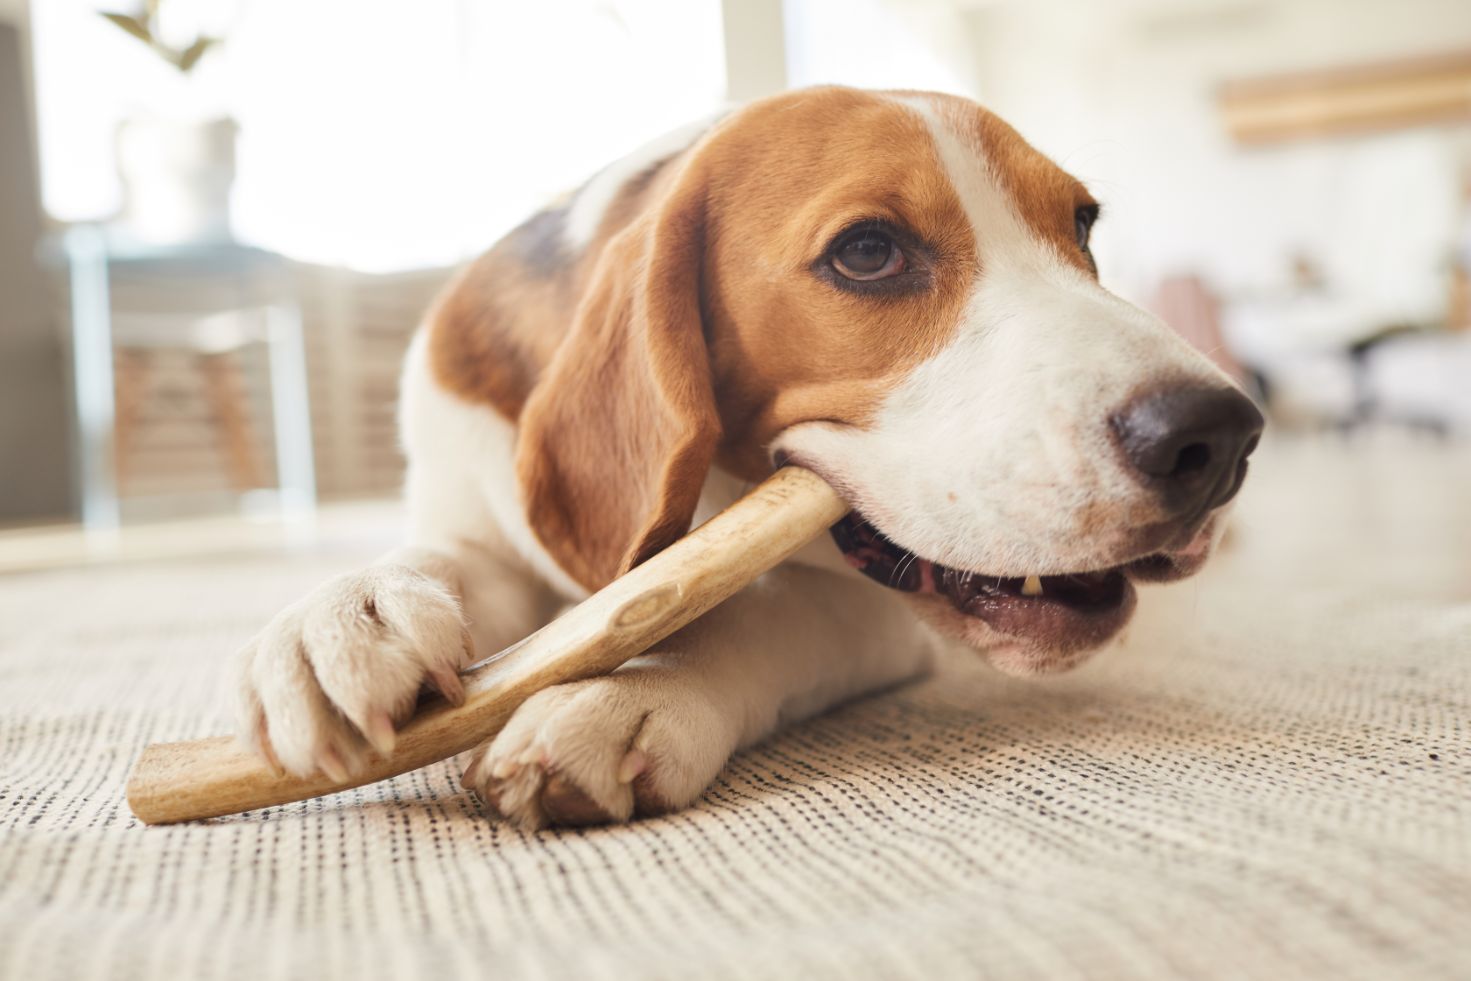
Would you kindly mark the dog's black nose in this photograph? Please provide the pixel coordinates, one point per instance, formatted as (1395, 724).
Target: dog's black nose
(1190, 444)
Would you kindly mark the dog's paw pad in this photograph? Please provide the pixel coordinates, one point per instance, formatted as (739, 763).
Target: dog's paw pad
(565, 803)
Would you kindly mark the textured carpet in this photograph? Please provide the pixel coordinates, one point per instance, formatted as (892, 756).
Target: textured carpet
(1272, 779)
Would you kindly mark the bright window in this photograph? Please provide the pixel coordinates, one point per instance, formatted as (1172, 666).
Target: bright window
(382, 135)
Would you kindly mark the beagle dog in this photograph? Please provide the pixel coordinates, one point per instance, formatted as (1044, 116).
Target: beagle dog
(890, 288)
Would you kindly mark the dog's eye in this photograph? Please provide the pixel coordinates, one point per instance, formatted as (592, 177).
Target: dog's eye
(1083, 220)
(868, 254)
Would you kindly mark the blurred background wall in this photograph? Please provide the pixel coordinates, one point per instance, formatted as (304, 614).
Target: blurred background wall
(35, 460)
(1284, 180)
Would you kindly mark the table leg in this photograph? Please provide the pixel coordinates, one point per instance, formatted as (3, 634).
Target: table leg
(291, 415)
(92, 382)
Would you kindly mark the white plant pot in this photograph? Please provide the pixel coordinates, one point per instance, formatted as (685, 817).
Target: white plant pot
(176, 178)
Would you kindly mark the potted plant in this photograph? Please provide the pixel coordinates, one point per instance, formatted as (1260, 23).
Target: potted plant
(176, 163)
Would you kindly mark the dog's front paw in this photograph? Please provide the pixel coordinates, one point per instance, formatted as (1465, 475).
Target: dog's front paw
(333, 675)
(640, 741)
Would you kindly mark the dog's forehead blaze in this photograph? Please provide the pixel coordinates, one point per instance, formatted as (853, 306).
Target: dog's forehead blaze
(1043, 195)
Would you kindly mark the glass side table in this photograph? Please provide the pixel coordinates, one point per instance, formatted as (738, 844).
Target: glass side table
(222, 278)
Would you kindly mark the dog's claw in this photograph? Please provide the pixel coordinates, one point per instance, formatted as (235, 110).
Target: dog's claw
(380, 733)
(447, 682)
(262, 746)
(471, 776)
(332, 764)
(633, 764)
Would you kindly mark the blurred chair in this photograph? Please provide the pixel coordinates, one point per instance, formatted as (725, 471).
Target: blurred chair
(1377, 400)
(212, 299)
(1185, 303)
(216, 342)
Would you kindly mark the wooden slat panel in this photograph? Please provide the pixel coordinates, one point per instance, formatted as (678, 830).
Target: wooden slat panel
(1388, 95)
(356, 328)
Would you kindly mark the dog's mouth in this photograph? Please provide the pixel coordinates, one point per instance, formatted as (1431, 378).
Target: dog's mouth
(1060, 612)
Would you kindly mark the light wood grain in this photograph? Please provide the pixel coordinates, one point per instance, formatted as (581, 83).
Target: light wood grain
(210, 777)
(1360, 99)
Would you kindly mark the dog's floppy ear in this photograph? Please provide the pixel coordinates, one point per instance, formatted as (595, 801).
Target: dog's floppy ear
(615, 440)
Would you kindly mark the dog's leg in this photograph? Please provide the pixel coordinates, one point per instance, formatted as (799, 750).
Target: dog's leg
(652, 736)
(330, 677)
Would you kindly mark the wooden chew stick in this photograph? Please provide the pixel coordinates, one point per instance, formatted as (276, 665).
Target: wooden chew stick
(210, 777)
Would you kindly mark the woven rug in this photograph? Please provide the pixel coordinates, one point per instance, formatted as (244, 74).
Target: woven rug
(1271, 780)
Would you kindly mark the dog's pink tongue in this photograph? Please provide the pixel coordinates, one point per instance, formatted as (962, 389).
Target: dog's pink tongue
(1198, 545)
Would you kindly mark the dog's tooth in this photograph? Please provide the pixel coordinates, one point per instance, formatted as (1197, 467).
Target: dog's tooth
(1032, 586)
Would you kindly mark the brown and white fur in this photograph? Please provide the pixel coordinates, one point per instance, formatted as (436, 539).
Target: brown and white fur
(628, 362)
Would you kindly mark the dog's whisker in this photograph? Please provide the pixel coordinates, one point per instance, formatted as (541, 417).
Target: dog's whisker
(898, 573)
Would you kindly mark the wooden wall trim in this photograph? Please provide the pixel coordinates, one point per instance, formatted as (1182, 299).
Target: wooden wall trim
(1356, 99)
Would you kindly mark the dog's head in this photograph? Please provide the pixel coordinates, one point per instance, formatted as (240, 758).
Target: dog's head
(896, 291)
